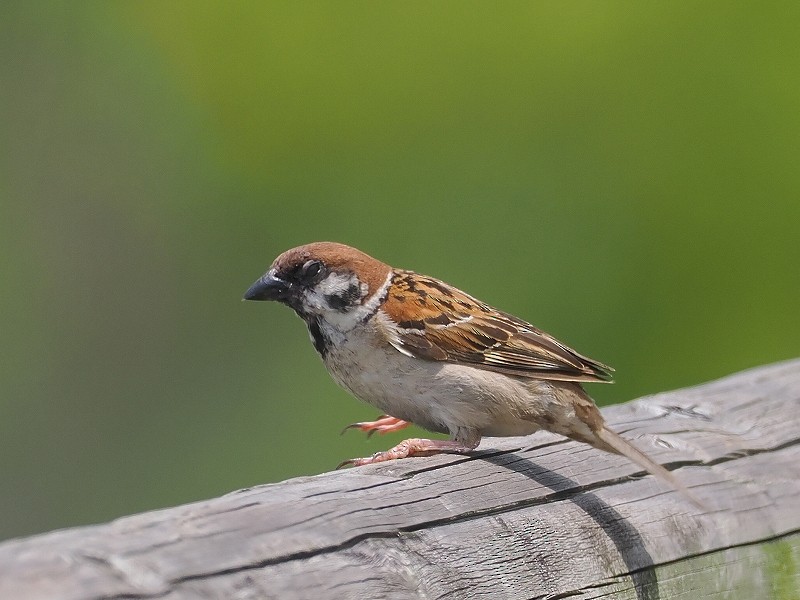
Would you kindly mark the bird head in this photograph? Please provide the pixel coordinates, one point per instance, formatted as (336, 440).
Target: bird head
(324, 280)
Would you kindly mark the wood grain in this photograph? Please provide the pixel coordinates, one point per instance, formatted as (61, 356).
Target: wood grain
(535, 517)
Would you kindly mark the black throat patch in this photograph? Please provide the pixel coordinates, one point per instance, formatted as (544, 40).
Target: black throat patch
(321, 343)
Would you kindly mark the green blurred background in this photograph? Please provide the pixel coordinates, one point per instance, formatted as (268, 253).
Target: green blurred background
(624, 175)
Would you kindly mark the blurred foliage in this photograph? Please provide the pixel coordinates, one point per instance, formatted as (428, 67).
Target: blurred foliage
(624, 175)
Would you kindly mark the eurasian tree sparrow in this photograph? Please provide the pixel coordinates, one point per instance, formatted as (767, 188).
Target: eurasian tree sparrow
(427, 353)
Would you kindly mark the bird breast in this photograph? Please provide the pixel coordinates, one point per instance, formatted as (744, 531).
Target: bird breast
(438, 396)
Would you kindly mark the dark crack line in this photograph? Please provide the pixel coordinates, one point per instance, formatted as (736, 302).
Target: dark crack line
(484, 454)
(687, 557)
(743, 453)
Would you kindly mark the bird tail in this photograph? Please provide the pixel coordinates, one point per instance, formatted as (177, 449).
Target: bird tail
(601, 437)
(612, 442)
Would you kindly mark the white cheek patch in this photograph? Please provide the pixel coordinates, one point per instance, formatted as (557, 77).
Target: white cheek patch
(336, 285)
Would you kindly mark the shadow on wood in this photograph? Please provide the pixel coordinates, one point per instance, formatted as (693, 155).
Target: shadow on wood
(623, 535)
(535, 517)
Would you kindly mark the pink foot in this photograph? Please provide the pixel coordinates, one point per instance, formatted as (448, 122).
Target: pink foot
(383, 424)
(412, 447)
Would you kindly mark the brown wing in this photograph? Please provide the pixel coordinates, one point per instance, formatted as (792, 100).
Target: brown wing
(434, 321)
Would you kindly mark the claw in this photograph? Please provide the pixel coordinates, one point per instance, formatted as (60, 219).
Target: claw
(412, 447)
(383, 424)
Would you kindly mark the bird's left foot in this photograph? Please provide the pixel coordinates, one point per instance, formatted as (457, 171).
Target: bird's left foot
(411, 447)
(383, 424)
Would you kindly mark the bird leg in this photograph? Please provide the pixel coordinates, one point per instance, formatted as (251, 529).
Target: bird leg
(383, 424)
(414, 447)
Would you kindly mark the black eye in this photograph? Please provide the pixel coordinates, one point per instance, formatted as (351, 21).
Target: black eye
(310, 270)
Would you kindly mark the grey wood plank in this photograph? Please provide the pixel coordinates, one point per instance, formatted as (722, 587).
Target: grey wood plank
(520, 518)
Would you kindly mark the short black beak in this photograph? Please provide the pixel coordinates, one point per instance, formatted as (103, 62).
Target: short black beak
(268, 287)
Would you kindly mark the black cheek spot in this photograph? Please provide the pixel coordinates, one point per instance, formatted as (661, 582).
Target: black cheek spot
(349, 297)
(336, 301)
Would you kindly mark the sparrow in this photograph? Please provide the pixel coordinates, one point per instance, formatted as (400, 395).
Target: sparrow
(425, 352)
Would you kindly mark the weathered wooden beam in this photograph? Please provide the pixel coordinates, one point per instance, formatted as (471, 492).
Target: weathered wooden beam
(535, 517)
